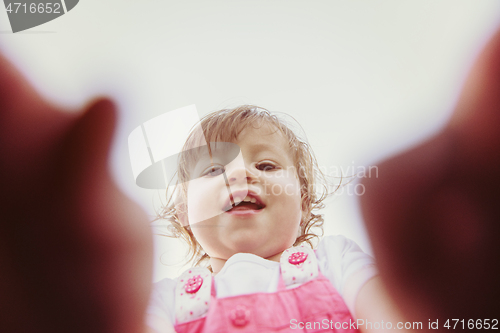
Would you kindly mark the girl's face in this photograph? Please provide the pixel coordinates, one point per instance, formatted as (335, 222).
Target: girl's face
(264, 178)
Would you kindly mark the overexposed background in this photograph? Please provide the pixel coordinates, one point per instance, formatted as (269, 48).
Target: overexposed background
(364, 78)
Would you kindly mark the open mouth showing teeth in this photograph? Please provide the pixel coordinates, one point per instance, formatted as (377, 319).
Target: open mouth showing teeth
(247, 203)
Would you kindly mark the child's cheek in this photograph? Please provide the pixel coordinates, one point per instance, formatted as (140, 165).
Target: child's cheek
(204, 198)
(283, 183)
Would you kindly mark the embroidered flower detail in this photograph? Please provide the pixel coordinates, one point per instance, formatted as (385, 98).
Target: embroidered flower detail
(297, 258)
(193, 284)
(239, 315)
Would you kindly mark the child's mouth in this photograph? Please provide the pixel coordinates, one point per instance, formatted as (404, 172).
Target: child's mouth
(245, 209)
(246, 206)
(250, 203)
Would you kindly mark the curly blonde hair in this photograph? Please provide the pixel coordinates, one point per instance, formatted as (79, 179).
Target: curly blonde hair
(224, 126)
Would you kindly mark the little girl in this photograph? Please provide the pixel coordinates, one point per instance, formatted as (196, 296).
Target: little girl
(251, 218)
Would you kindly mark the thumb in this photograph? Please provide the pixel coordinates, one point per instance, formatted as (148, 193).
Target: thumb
(84, 153)
(477, 117)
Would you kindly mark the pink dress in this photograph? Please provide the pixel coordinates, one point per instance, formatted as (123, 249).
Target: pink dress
(305, 301)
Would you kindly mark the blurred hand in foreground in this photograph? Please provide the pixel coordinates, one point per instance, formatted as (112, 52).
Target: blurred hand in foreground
(75, 253)
(434, 216)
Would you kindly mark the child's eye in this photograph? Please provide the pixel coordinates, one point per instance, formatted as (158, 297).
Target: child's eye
(213, 171)
(266, 166)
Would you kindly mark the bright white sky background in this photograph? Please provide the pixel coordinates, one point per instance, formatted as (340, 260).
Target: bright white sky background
(364, 78)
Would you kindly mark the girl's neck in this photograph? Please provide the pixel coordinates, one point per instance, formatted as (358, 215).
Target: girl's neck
(218, 263)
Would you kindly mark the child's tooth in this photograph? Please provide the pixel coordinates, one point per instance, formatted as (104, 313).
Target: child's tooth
(237, 199)
(247, 198)
(253, 200)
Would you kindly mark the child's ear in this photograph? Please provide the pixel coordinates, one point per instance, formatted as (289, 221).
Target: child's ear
(305, 217)
(305, 211)
(181, 212)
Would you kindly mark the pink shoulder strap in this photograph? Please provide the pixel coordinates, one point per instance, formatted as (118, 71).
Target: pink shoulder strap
(298, 265)
(192, 294)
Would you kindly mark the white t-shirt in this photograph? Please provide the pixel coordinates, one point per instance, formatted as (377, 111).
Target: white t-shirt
(340, 260)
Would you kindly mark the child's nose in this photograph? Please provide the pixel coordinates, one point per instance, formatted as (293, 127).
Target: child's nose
(240, 174)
